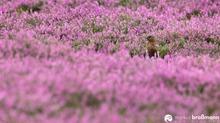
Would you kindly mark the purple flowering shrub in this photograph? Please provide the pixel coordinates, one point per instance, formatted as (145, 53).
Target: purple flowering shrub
(79, 61)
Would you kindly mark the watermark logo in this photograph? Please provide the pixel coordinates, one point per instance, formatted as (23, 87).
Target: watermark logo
(203, 117)
(168, 118)
(192, 118)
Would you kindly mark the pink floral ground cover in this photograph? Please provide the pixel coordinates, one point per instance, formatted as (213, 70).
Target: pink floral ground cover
(79, 61)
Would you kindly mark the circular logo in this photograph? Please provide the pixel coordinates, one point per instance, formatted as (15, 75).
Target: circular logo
(168, 118)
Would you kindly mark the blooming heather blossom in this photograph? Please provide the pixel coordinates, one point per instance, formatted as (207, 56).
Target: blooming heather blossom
(80, 61)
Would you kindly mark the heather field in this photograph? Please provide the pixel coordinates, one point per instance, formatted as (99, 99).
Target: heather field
(81, 61)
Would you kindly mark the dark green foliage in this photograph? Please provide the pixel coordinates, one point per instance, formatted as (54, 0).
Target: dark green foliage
(132, 53)
(76, 45)
(141, 2)
(84, 29)
(212, 13)
(163, 50)
(1, 26)
(36, 8)
(74, 101)
(39, 110)
(136, 23)
(98, 46)
(175, 35)
(31, 22)
(93, 102)
(201, 89)
(162, 44)
(94, 28)
(112, 51)
(25, 7)
(187, 92)
(181, 43)
(142, 107)
(126, 30)
(210, 110)
(87, 42)
(72, 5)
(101, 2)
(122, 3)
(35, 112)
(97, 29)
(138, 50)
(196, 12)
(28, 8)
(208, 40)
(122, 111)
(126, 18)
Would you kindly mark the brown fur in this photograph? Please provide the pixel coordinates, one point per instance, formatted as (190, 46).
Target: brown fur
(151, 47)
(188, 16)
